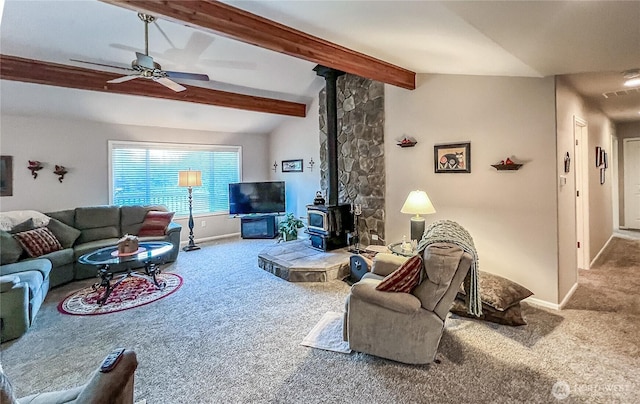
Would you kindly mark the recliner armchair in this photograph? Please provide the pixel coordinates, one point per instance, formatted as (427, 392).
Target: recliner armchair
(405, 327)
(114, 387)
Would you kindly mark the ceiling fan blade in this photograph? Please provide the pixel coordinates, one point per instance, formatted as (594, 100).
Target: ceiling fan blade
(187, 76)
(123, 79)
(122, 67)
(170, 84)
(144, 60)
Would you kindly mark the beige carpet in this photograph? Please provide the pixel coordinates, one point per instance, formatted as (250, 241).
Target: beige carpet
(232, 335)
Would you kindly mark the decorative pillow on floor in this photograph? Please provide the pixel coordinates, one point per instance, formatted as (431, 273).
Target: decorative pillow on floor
(498, 292)
(38, 241)
(155, 223)
(65, 234)
(510, 316)
(403, 279)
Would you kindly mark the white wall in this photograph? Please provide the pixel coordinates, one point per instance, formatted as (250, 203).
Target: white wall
(298, 138)
(81, 146)
(510, 214)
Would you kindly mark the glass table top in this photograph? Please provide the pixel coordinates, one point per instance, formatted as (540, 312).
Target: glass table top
(107, 255)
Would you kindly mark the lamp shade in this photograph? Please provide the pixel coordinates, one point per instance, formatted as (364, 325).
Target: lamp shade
(418, 203)
(189, 178)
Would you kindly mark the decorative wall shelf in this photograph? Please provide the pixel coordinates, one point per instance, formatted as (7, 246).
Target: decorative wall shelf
(501, 167)
(408, 144)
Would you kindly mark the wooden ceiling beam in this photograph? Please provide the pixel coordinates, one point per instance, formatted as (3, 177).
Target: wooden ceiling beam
(35, 71)
(225, 20)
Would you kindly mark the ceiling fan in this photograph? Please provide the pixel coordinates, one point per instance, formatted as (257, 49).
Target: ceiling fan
(144, 66)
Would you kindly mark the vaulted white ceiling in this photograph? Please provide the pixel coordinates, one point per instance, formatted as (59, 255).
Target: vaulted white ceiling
(517, 38)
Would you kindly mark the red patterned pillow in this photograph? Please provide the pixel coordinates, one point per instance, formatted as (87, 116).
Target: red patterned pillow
(38, 241)
(403, 279)
(155, 223)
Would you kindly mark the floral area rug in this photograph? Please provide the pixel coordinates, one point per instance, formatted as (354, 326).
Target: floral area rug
(131, 292)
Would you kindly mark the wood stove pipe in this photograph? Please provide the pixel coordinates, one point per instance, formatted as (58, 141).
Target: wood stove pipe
(331, 76)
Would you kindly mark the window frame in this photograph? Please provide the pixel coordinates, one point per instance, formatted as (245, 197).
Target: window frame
(172, 146)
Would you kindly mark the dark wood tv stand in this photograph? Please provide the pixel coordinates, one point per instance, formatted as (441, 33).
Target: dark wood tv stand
(258, 226)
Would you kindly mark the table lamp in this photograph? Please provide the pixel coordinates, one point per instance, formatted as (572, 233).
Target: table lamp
(190, 179)
(417, 203)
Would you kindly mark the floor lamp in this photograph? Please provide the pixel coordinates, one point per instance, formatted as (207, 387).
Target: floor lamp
(417, 203)
(190, 179)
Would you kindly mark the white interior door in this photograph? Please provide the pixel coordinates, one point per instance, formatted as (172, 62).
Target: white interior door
(632, 183)
(582, 191)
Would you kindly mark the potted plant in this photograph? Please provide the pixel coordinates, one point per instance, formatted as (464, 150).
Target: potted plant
(289, 226)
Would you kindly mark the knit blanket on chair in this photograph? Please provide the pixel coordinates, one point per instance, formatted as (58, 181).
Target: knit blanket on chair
(447, 231)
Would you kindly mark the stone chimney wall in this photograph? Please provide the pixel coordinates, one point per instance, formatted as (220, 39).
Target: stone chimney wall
(361, 170)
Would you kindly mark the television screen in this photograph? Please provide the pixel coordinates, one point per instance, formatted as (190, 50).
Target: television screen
(256, 197)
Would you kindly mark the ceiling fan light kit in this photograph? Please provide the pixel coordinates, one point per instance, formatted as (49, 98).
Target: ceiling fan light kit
(145, 67)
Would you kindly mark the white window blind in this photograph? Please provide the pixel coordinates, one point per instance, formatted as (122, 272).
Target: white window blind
(147, 174)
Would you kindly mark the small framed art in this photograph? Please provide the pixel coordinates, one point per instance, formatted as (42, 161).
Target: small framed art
(6, 176)
(452, 158)
(292, 166)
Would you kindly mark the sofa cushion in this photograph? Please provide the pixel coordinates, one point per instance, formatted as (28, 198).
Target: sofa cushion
(441, 261)
(38, 241)
(60, 257)
(403, 279)
(155, 223)
(97, 222)
(65, 234)
(10, 248)
(67, 217)
(498, 292)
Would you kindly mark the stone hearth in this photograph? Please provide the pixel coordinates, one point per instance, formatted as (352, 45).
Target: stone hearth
(296, 261)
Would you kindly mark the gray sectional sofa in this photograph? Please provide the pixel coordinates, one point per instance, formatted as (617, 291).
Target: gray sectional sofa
(80, 231)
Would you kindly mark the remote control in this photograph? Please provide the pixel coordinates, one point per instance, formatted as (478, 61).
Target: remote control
(111, 360)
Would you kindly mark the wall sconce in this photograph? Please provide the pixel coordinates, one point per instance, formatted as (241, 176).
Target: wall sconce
(311, 164)
(275, 166)
(34, 166)
(60, 171)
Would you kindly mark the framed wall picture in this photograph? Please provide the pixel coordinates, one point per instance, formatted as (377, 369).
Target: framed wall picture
(452, 158)
(292, 166)
(6, 175)
(598, 156)
(602, 176)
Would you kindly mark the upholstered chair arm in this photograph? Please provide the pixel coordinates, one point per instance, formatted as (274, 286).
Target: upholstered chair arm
(112, 387)
(173, 227)
(8, 282)
(385, 263)
(39, 264)
(365, 290)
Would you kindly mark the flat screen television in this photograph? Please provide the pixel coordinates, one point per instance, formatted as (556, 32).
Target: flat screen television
(256, 197)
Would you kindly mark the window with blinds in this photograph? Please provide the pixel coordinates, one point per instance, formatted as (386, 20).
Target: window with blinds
(147, 174)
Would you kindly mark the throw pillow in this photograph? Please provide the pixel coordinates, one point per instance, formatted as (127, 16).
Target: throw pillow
(65, 234)
(38, 241)
(403, 279)
(510, 316)
(155, 223)
(10, 250)
(500, 293)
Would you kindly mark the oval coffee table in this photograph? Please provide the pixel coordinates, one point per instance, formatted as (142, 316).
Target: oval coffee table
(148, 255)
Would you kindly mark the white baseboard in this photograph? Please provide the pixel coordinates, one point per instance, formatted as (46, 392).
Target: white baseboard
(601, 250)
(554, 306)
(212, 238)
